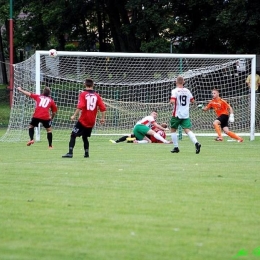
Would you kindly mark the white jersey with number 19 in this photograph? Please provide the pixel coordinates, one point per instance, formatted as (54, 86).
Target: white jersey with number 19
(182, 98)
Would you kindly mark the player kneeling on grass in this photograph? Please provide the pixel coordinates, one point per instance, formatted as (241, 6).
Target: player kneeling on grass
(224, 114)
(143, 128)
(44, 103)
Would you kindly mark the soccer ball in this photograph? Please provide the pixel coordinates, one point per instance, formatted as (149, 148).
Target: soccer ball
(53, 53)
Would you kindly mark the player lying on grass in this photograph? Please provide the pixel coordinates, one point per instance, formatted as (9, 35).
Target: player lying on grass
(151, 139)
(44, 104)
(224, 114)
(160, 132)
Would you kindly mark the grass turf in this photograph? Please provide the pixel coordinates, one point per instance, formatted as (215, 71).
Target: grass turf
(130, 201)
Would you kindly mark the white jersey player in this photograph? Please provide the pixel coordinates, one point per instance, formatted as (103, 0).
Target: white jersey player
(148, 121)
(181, 98)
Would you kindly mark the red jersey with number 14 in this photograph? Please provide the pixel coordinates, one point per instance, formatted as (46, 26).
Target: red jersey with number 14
(43, 106)
(89, 103)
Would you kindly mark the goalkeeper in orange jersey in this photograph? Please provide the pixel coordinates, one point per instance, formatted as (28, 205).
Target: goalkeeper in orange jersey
(224, 114)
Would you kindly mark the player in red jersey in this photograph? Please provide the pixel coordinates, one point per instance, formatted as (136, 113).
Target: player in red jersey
(44, 103)
(89, 103)
(160, 132)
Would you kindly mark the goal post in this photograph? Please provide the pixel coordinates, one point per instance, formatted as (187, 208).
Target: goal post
(132, 85)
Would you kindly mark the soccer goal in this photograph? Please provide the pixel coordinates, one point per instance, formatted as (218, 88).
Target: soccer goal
(132, 85)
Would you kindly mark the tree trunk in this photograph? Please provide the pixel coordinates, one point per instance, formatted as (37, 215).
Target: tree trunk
(2, 61)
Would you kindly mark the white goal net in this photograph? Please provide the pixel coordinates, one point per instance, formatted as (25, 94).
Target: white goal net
(132, 85)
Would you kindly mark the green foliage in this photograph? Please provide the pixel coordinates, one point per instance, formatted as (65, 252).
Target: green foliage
(244, 26)
(125, 202)
(157, 45)
(4, 114)
(70, 47)
(4, 106)
(137, 26)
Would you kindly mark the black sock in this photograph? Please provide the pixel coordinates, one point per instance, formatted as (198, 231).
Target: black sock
(49, 137)
(122, 139)
(86, 144)
(31, 133)
(72, 143)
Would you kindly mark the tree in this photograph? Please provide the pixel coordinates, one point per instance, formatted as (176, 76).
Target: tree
(195, 26)
(242, 18)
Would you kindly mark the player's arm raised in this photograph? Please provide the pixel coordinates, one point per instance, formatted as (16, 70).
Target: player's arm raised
(27, 93)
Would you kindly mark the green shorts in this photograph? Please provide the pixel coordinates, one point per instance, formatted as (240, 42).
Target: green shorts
(176, 122)
(140, 131)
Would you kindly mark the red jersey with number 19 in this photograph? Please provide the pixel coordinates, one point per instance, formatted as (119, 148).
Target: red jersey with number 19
(89, 102)
(43, 106)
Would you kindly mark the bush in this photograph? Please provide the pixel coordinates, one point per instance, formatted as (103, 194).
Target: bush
(70, 47)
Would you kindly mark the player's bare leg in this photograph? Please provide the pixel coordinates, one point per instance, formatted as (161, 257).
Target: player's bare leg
(217, 127)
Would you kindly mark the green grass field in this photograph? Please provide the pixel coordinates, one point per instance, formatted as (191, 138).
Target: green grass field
(130, 201)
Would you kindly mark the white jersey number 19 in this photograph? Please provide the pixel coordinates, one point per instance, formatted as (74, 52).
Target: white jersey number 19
(183, 100)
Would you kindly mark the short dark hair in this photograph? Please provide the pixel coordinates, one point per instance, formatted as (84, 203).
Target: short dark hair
(89, 83)
(46, 91)
(180, 80)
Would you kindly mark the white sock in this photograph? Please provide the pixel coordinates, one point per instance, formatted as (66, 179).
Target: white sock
(174, 139)
(192, 137)
(160, 138)
(142, 141)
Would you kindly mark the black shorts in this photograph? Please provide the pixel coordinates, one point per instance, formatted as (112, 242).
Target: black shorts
(223, 120)
(35, 122)
(80, 130)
